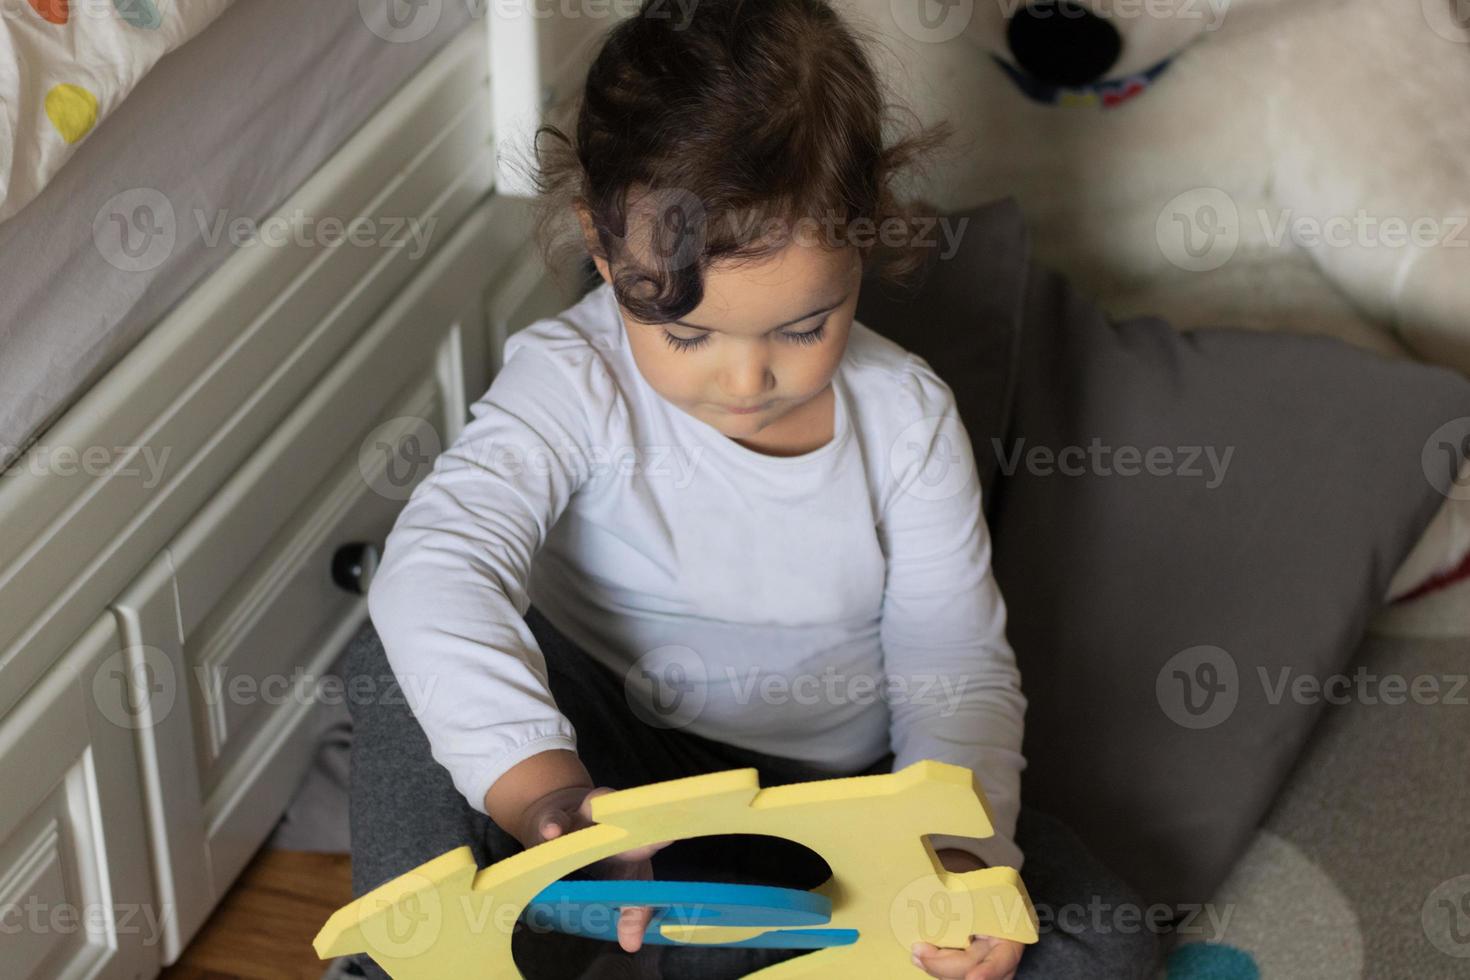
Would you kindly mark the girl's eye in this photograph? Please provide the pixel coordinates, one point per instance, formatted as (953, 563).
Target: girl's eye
(809, 337)
(680, 343)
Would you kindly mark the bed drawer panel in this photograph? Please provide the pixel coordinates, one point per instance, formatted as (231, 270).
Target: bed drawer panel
(222, 762)
(243, 602)
(244, 519)
(247, 655)
(274, 636)
(75, 899)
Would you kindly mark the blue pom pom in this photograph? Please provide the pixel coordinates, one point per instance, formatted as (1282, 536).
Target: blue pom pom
(1211, 961)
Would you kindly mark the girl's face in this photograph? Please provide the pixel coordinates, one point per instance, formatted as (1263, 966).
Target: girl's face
(768, 336)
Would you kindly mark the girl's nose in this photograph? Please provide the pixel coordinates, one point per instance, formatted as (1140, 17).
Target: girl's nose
(748, 377)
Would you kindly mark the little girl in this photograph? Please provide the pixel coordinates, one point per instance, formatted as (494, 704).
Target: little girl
(703, 519)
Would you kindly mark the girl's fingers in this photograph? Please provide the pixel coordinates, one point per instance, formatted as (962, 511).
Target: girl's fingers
(586, 806)
(944, 963)
(635, 863)
(554, 821)
(986, 958)
(1000, 963)
(639, 853)
(633, 919)
(632, 924)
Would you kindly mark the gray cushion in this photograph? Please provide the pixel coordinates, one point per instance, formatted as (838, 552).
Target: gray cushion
(964, 317)
(1129, 591)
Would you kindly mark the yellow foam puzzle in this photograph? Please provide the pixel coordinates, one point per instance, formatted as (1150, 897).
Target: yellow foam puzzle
(449, 920)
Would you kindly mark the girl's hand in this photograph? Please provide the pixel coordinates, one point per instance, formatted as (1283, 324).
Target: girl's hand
(987, 958)
(636, 863)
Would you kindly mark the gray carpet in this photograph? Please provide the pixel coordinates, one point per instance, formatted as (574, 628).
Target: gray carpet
(1362, 868)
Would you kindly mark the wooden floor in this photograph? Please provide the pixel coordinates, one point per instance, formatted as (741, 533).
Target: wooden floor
(264, 927)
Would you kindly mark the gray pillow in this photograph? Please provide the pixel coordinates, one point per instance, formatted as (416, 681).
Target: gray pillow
(1180, 522)
(964, 317)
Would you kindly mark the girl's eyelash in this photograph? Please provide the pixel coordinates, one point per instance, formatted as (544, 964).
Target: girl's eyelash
(679, 343)
(810, 337)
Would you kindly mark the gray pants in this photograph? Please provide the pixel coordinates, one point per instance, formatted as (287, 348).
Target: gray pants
(405, 810)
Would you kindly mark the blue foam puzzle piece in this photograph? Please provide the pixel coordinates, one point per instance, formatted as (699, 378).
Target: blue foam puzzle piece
(590, 909)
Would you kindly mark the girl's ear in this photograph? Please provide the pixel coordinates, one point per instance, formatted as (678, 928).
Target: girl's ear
(584, 219)
(589, 239)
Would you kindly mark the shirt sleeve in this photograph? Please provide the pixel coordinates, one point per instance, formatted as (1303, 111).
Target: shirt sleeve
(955, 689)
(449, 596)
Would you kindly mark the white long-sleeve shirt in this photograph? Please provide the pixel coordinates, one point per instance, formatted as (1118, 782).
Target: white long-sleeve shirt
(826, 607)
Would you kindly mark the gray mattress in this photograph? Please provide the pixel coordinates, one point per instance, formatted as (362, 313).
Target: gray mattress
(235, 120)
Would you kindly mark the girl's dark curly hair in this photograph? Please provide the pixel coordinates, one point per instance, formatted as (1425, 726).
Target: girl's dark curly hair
(725, 137)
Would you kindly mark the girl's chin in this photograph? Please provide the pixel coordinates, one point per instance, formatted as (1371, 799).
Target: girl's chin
(736, 427)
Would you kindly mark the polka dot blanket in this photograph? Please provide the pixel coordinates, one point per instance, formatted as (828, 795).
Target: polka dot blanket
(65, 64)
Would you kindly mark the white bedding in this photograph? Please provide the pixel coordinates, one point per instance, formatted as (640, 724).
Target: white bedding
(65, 65)
(230, 124)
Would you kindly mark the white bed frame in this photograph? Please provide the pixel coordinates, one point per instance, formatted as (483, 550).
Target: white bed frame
(166, 608)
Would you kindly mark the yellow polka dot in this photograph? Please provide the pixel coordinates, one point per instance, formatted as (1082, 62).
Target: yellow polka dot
(72, 110)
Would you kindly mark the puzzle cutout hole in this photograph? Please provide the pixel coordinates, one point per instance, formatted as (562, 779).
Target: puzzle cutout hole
(747, 859)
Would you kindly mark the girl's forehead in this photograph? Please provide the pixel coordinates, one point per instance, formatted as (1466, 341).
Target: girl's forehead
(753, 297)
